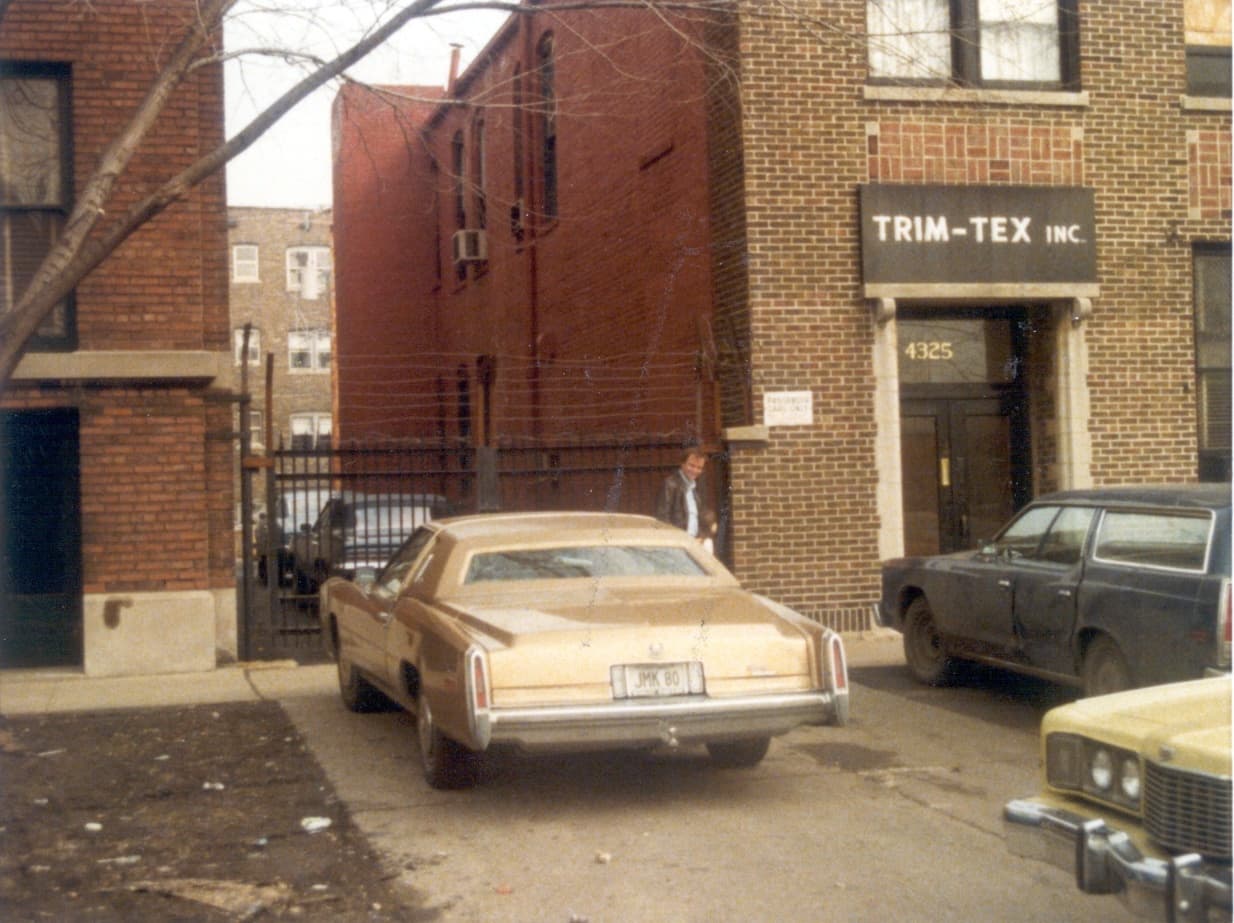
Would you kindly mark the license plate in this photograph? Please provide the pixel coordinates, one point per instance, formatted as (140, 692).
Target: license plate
(653, 680)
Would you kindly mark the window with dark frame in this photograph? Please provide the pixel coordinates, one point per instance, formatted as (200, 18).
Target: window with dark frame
(35, 186)
(518, 207)
(458, 164)
(479, 177)
(1213, 343)
(1005, 44)
(547, 69)
(1207, 24)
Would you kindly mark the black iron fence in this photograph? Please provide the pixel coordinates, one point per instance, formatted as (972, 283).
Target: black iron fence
(383, 491)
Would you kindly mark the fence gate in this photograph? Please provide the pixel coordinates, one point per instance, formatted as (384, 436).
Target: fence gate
(295, 500)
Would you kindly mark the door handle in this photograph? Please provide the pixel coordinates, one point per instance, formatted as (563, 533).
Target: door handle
(1065, 594)
(1005, 583)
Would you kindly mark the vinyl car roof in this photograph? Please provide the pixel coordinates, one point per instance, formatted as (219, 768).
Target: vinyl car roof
(1196, 496)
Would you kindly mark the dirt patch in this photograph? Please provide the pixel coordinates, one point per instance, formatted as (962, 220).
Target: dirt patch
(204, 813)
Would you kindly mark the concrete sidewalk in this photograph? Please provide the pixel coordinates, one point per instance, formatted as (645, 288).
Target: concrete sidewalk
(31, 692)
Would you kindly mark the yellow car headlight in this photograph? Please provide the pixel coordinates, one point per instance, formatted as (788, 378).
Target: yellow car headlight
(1102, 771)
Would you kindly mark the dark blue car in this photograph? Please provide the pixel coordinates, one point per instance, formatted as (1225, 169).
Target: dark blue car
(1106, 589)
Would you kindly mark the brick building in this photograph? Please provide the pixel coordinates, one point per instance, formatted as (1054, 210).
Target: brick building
(282, 284)
(907, 272)
(115, 430)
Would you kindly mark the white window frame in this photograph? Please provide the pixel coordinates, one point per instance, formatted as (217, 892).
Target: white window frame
(245, 263)
(314, 345)
(318, 425)
(237, 345)
(1004, 44)
(308, 271)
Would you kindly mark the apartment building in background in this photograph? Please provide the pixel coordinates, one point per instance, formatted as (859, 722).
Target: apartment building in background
(282, 287)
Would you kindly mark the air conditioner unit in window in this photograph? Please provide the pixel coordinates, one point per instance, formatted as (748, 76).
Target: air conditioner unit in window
(470, 246)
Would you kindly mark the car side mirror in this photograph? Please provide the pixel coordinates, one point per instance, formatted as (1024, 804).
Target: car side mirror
(305, 528)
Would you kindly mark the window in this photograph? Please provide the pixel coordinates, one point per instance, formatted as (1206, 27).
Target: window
(1064, 543)
(548, 127)
(308, 271)
(1028, 44)
(1213, 343)
(254, 353)
(479, 178)
(588, 561)
(244, 263)
(311, 431)
(1170, 540)
(458, 157)
(257, 430)
(458, 161)
(1023, 537)
(1207, 25)
(308, 350)
(35, 186)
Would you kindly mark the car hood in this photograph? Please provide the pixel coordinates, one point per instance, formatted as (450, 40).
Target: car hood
(1191, 718)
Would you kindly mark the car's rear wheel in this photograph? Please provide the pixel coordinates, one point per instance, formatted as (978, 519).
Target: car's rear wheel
(1105, 668)
(924, 650)
(738, 754)
(446, 762)
(357, 693)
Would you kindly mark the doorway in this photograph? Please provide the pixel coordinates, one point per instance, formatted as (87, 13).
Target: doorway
(964, 449)
(40, 539)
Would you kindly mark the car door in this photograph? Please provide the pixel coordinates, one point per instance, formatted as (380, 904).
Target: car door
(1045, 589)
(369, 609)
(977, 604)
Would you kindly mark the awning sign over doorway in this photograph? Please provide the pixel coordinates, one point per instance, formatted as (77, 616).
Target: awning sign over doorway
(977, 235)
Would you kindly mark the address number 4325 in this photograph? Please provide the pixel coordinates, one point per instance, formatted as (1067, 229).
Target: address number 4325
(929, 350)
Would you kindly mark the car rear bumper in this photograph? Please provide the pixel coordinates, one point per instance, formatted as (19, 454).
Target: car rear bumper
(685, 720)
(1106, 861)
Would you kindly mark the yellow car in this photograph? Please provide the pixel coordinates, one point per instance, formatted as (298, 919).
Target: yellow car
(565, 631)
(1137, 799)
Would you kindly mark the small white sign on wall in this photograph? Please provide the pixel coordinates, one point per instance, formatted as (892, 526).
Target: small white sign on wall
(788, 408)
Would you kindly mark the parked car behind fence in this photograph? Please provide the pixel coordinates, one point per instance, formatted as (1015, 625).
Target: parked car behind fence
(357, 530)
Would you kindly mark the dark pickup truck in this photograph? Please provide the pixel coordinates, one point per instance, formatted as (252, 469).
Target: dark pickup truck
(1106, 589)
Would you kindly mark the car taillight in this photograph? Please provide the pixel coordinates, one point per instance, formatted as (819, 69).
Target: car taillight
(839, 670)
(479, 682)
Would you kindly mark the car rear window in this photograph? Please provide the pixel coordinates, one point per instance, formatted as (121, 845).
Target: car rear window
(1170, 540)
(582, 561)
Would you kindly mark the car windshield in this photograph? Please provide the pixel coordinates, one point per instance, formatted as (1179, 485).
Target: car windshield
(583, 561)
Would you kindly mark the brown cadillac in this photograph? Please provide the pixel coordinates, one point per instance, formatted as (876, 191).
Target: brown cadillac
(565, 631)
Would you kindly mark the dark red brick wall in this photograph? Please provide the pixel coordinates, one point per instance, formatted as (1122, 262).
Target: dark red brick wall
(582, 343)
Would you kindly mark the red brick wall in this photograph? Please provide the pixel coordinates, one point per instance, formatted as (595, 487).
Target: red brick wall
(156, 457)
(384, 246)
(596, 346)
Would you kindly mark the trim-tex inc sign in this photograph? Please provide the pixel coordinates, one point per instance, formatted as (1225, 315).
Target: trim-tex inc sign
(969, 237)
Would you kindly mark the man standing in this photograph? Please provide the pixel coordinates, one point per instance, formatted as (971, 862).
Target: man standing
(681, 503)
